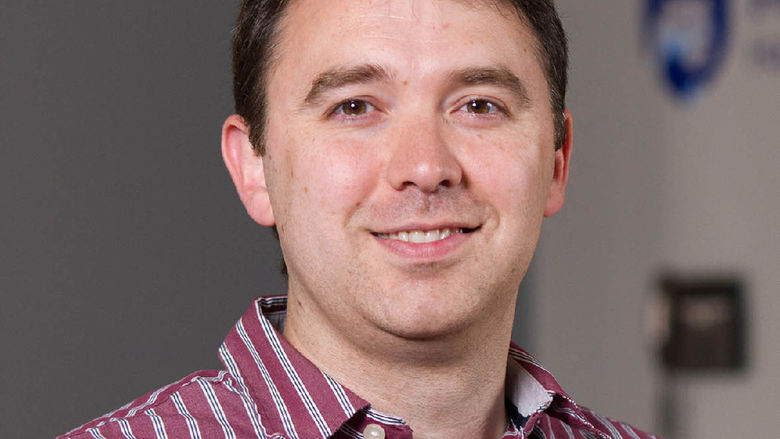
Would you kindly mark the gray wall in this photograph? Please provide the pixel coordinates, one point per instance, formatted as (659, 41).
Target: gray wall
(125, 255)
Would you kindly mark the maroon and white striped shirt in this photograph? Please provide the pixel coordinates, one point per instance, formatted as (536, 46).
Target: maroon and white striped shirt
(269, 390)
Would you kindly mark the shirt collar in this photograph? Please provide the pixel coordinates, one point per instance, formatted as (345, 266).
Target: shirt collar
(298, 400)
(534, 391)
(305, 402)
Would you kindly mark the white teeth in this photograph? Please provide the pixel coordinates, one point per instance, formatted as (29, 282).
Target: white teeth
(419, 236)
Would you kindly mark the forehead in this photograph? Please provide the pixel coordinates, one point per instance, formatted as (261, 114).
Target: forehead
(397, 10)
(338, 32)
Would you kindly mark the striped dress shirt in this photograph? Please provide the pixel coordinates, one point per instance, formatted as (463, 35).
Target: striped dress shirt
(270, 390)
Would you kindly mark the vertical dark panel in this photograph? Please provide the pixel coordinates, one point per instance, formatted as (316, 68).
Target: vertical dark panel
(124, 254)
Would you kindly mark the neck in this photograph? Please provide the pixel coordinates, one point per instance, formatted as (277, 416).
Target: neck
(444, 387)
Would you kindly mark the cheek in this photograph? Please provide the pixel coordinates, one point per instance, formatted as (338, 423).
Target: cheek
(333, 177)
(511, 172)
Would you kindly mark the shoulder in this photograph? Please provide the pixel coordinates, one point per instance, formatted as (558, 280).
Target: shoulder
(193, 406)
(614, 428)
(559, 421)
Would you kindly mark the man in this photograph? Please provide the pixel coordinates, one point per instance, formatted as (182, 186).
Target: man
(407, 152)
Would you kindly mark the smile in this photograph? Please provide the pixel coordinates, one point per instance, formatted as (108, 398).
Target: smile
(422, 236)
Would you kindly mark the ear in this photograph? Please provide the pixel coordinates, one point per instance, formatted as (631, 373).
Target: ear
(556, 196)
(246, 169)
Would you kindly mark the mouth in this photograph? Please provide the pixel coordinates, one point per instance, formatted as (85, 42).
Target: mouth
(420, 236)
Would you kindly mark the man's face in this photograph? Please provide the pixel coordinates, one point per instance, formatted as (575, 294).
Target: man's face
(409, 161)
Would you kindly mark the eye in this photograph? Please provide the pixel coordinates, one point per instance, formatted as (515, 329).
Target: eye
(353, 107)
(481, 106)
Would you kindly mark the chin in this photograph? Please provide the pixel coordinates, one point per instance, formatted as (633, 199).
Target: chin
(426, 332)
(422, 323)
(434, 309)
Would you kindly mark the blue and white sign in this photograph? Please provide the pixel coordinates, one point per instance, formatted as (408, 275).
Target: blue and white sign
(689, 39)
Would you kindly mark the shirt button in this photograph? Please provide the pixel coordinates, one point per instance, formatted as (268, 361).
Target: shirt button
(374, 431)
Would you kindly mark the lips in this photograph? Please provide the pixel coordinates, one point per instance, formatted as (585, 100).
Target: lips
(421, 236)
(424, 243)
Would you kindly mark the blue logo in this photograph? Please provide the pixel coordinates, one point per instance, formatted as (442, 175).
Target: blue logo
(688, 38)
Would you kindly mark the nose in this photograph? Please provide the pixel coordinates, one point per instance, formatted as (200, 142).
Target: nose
(423, 159)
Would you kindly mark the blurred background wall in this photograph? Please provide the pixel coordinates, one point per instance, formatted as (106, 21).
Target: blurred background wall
(125, 256)
(661, 184)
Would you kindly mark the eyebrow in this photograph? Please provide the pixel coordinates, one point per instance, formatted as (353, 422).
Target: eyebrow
(497, 76)
(341, 76)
